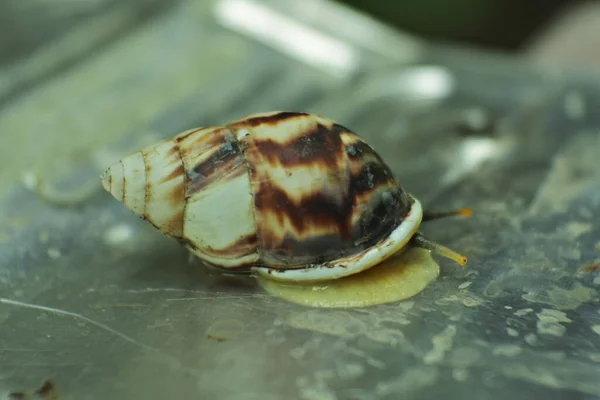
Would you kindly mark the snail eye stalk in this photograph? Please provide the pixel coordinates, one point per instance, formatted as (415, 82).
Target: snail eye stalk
(418, 240)
(463, 212)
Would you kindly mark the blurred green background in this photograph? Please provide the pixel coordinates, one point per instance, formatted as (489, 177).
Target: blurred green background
(500, 24)
(25, 25)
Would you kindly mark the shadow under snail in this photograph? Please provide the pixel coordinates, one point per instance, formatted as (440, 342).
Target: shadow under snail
(291, 196)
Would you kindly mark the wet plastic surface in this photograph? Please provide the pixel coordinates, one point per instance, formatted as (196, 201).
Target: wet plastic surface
(106, 307)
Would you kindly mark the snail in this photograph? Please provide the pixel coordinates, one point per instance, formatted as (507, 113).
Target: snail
(290, 196)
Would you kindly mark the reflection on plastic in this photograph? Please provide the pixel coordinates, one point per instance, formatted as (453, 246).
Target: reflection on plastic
(423, 84)
(283, 33)
(471, 154)
(428, 82)
(477, 150)
(118, 234)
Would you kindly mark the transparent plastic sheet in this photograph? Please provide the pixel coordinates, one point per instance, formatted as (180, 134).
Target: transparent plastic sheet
(106, 307)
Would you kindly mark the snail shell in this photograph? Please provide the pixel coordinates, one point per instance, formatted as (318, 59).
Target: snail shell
(292, 196)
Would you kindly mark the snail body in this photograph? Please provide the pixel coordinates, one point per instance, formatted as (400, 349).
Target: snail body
(291, 196)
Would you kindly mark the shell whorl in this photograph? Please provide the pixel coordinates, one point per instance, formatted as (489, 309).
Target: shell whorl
(276, 190)
(320, 192)
(151, 184)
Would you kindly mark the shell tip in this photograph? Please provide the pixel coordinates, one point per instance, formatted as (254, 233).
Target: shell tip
(106, 178)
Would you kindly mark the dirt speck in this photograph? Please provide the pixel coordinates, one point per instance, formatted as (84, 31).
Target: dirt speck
(224, 329)
(216, 338)
(48, 391)
(593, 267)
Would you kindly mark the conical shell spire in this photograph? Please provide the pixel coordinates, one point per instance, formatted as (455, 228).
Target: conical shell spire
(151, 183)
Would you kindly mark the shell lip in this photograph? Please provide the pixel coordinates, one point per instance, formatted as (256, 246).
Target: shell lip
(358, 262)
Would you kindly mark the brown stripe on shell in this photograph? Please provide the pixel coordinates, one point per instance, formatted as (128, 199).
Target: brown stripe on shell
(319, 146)
(209, 157)
(297, 162)
(175, 224)
(271, 119)
(148, 186)
(174, 151)
(219, 223)
(147, 167)
(369, 171)
(378, 217)
(280, 127)
(124, 184)
(367, 178)
(307, 244)
(242, 247)
(178, 193)
(226, 163)
(356, 149)
(380, 201)
(189, 132)
(351, 202)
(324, 240)
(177, 172)
(197, 142)
(164, 198)
(311, 211)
